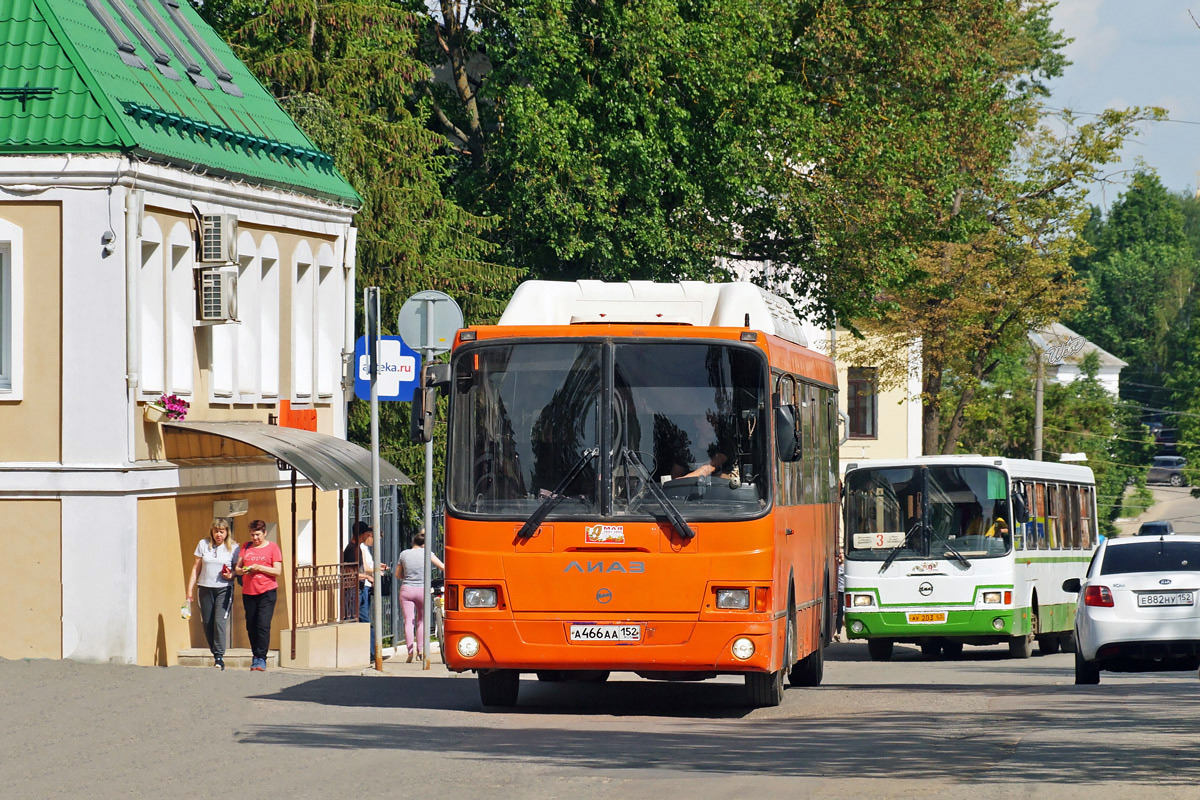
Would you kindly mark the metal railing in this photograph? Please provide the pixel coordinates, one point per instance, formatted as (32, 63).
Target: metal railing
(326, 595)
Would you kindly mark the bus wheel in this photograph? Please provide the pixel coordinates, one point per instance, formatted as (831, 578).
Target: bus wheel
(880, 649)
(809, 670)
(1048, 645)
(1087, 673)
(499, 687)
(1021, 647)
(952, 649)
(764, 689)
(931, 649)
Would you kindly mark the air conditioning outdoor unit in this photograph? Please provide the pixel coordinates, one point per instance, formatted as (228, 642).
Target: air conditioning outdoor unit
(218, 239)
(218, 295)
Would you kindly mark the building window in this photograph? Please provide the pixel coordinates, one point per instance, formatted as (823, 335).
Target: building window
(304, 313)
(12, 312)
(5, 321)
(862, 402)
(181, 312)
(268, 318)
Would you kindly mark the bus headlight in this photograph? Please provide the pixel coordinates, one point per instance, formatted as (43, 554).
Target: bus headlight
(998, 623)
(476, 597)
(738, 599)
(857, 627)
(743, 648)
(992, 597)
(862, 600)
(468, 646)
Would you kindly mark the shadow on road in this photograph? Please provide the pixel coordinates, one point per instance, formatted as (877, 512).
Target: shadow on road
(1081, 738)
(704, 700)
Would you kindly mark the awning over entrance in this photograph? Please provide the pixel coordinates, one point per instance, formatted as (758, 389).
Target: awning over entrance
(329, 462)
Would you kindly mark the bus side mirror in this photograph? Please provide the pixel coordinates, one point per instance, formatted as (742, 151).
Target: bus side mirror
(786, 443)
(420, 424)
(424, 402)
(1020, 512)
(1071, 585)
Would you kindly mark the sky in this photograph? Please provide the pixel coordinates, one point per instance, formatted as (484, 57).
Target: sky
(1136, 53)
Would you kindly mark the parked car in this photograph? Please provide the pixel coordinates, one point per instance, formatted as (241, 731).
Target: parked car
(1137, 609)
(1162, 527)
(1167, 469)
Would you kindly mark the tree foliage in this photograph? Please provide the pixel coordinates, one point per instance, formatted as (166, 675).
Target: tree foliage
(1078, 417)
(346, 71)
(974, 297)
(1141, 279)
(827, 140)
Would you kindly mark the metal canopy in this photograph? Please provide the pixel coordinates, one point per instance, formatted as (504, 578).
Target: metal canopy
(329, 462)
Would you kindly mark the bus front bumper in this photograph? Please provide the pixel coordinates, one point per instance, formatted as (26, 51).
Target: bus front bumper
(963, 624)
(663, 646)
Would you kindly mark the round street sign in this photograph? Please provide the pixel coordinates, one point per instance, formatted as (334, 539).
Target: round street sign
(413, 321)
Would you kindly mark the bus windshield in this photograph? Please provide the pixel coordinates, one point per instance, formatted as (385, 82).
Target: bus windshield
(922, 512)
(689, 416)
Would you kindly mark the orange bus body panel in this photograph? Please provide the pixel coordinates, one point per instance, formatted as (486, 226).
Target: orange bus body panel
(655, 580)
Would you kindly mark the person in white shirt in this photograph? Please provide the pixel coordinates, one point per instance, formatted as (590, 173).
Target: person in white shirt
(367, 573)
(213, 572)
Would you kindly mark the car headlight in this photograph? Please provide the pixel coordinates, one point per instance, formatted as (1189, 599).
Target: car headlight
(476, 597)
(863, 600)
(737, 599)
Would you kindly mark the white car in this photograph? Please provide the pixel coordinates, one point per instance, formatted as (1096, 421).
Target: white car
(1137, 608)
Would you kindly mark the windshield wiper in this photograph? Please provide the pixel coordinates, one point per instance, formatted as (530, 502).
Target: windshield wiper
(676, 519)
(959, 557)
(887, 562)
(556, 495)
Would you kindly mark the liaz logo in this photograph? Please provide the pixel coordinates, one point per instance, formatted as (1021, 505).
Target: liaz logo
(632, 568)
(599, 534)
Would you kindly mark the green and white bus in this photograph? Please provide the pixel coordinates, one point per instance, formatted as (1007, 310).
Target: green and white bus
(944, 551)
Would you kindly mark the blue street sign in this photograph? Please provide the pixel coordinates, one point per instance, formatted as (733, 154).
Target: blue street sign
(399, 369)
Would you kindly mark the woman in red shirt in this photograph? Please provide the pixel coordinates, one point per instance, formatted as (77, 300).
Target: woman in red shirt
(260, 562)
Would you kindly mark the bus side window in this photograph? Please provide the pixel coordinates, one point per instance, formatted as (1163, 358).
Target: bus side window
(1041, 518)
(1031, 526)
(1089, 502)
(1052, 532)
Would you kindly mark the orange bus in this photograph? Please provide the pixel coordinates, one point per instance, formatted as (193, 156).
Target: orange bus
(641, 477)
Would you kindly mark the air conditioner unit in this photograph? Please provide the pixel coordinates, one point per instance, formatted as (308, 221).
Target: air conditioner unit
(218, 239)
(218, 295)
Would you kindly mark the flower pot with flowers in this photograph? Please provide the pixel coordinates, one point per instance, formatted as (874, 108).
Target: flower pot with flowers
(167, 407)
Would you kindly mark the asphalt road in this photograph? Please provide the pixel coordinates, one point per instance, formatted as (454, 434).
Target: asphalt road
(1173, 503)
(983, 726)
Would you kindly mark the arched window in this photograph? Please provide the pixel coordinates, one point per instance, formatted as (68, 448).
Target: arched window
(268, 318)
(328, 323)
(152, 331)
(304, 313)
(181, 309)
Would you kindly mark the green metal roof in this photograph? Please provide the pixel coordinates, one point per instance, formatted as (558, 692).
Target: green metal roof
(93, 100)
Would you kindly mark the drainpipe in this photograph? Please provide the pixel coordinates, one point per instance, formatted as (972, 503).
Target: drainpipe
(349, 261)
(133, 214)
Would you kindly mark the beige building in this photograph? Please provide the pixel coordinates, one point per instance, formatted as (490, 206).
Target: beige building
(165, 229)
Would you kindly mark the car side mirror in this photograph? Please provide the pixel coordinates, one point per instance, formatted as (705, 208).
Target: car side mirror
(1072, 585)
